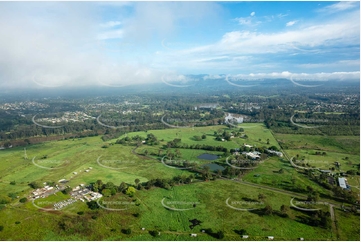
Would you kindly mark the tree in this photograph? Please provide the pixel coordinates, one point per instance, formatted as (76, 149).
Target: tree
(136, 181)
(23, 200)
(34, 185)
(92, 205)
(220, 234)
(261, 196)
(197, 138)
(127, 231)
(66, 190)
(106, 192)
(284, 209)
(1, 228)
(122, 187)
(204, 136)
(268, 210)
(130, 191)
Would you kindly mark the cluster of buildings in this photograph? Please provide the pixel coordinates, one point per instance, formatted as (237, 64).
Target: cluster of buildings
(253, 155)
(43, 192)
(68, 116)
(84, 194)
(28, 105)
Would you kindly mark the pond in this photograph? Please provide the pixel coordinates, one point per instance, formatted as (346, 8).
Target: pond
(214, 167)
(207, 157)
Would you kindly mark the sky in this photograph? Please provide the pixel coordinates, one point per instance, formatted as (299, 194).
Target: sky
(52, 44)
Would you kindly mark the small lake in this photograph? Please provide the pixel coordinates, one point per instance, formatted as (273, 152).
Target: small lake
(214, 167)
(208, 157)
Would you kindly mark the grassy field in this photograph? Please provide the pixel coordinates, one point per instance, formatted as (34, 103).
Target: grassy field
(118, 163)
(254, 131)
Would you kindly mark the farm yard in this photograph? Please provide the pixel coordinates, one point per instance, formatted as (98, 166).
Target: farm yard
(252, 202)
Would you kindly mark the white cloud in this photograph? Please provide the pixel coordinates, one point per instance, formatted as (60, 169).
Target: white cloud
(340, 6)
(114, 34)
(290, 23)
(253, 13)
(244, 21)
(110, 24)
(321, 76)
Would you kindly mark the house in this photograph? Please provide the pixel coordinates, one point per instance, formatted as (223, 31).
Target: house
(280, 154)
(245, 236)
(248, 146)
(302, 239)
(252, 155)
(270, 237)
(342, 182)
(193, 235)
(75, 172)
